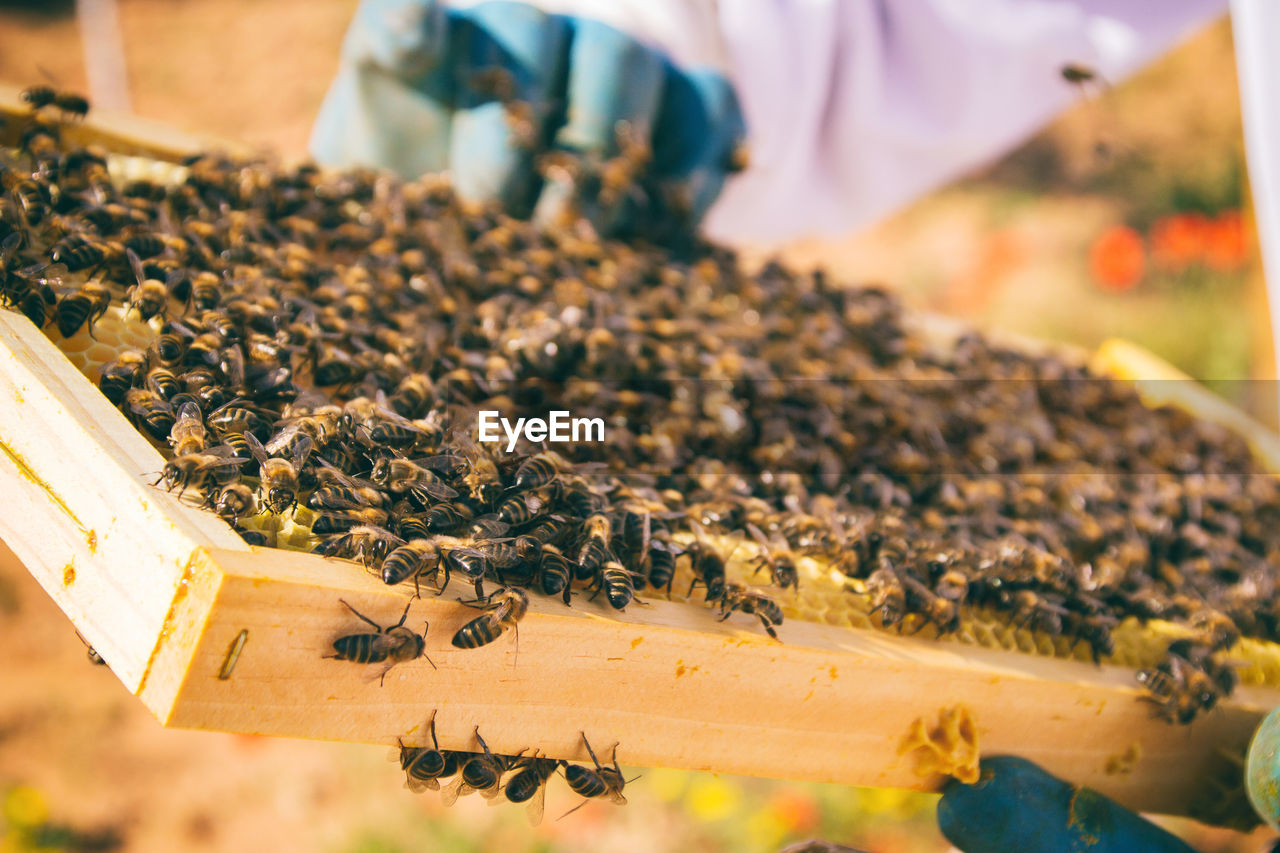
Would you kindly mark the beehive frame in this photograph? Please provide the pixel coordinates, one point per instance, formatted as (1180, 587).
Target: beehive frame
(168, 593)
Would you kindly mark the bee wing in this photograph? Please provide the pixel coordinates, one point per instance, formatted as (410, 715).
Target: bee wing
(491, 794)
(439, 490)
(443, 462)
(232, 365)
(489, 526)
(450, 793)
(174, 278)
(190, 411)
(136, 264)
(420, 785)
(281, 439)
(758, 535)
(10, 245)
(537, 804)
(157, 404)
(256, 448)
(302, 451)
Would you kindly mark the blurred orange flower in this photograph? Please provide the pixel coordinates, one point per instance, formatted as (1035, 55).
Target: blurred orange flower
(1178, 240)
(796, 809)
(1226, 245)
(1117, 258)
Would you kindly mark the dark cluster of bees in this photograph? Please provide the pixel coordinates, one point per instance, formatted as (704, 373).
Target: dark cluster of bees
(326, 339)
(519, 778)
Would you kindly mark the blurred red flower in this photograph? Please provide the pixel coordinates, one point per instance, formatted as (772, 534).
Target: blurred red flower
(1117, 258)
(1178, 240)
(1226, 245)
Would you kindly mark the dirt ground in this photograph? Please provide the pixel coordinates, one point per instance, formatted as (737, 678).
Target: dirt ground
(77, 750)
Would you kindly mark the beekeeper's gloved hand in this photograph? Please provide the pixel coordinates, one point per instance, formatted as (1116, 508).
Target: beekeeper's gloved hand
(425, 86)
(1015, 805)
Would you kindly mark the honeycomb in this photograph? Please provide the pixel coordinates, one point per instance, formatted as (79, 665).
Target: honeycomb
(825, 595)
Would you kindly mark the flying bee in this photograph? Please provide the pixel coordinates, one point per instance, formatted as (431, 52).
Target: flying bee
(396, 643)
(278, 478)
(193, 470)
(188, 434)
(235, 501)
(736, 596)
(150, 411)
(503, 609)
(72, 104)
(529, 784)
(400, 476)
(38, 97)
(369, 543)
(482, 772)
(776, 554)
(116, 378)
(423, 767)
(600, 782)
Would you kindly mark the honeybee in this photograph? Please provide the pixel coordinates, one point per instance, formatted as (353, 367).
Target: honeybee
(554, 572)
(72, 104)
(482, 772)
(33, 204)
(503, 609)
(888, 597)
(395, 643)
(618, 584)
(540, 469)
(524, 508)
(150, 411)
(708, 564)
(235, 501)
(600, 782)
(278, 478)
(188, 434)
(423, 767)
(597, 531)
(38, 97)
(193, 470)
(116, 378)
(482, 479)
(662, 562)
(149, 297)
(529, 784)
(776, 554)
(447, 517)
(736, 596)
(336, 490)
(400, 476)
(369, 543)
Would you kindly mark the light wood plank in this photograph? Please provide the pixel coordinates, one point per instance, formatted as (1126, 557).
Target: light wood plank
(80, 510)
(675, 687)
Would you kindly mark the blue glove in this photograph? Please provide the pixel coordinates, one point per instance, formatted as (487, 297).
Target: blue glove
(1017, 806)
(417, 92)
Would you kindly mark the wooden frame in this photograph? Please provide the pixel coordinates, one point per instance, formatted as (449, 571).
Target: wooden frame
(163, 591)
(213, 634)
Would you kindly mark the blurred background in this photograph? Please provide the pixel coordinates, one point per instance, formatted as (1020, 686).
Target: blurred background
(1127, 217)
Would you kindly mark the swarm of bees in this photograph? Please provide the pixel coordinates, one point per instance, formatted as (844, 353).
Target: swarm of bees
(519, 778)
(326, 339)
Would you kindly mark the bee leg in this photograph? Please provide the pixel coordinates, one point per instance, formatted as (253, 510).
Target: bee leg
(405, 615)
(768, 627)
(361, 616)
